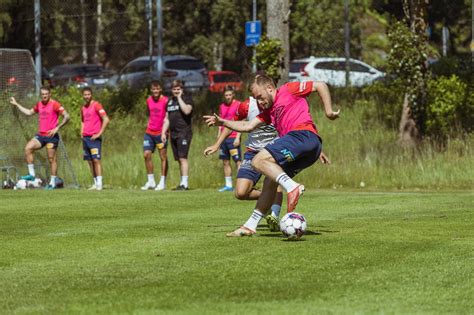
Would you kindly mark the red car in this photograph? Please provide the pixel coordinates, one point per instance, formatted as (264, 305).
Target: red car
(218, 80)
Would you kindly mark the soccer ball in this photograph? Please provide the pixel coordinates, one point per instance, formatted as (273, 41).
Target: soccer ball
(21, 184)
(293, 225)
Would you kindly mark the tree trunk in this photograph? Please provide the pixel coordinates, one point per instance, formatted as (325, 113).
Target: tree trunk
(278, 15)
(408, 134)
(98, 35)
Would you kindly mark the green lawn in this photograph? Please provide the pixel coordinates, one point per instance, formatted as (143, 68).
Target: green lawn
(123, 251)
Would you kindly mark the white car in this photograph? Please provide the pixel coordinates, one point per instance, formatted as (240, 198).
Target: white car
(333, 71)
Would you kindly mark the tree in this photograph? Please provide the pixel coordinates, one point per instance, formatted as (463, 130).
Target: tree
(278, 14)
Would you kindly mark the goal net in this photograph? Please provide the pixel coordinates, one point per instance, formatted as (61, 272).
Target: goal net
(17, 79)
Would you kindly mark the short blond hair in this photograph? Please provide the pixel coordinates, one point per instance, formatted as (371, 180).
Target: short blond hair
(262, 79)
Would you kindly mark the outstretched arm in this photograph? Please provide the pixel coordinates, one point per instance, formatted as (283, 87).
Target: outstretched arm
(222, 136)
(323, 92)
(24, 110)
(240, 126)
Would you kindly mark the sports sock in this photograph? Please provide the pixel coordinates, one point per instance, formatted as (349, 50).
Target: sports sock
(286, 182)
(276, 210)
(162, 181)
(31, 170)
(151, 178)
(228, 181)
(184, 181)
(253, 221)
(52, 181)
(99, 181)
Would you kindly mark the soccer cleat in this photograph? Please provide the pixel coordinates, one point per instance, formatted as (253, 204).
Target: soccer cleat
(226, 188)
(272, 223)
(181, 187)
(93, 187)
(148, 185)
(28, 177)
(99, 188)
(160, 187)
(293, 197)
(50, 187)
(241, 232)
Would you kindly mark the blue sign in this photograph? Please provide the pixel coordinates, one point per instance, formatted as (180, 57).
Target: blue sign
(253, 31)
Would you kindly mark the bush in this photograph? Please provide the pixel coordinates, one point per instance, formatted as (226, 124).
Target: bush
(446, 100)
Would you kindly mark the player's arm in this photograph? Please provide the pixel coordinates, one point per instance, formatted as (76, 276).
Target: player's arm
(22, 109)
(164, 129)
(105, 122)
(323, 91)
(222, 136)
(240, 126)
(64, 121)
(237, 139)
(185, 108)
(82, 129)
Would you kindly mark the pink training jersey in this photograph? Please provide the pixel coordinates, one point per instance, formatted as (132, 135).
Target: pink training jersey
(48, 115)
(290, 110)
(228, 112)
(157, 113)
(92, 118)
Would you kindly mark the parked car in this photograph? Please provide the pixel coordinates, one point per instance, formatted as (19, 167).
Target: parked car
(81, 75)
(333, 71)
(218, 80)
(24, 80)
(137, 75)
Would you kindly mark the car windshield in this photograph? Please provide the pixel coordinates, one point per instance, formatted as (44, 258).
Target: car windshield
(185, 64)
(226, 77)
(297, 66)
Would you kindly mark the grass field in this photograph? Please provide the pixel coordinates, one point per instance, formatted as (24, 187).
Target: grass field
(123, 251)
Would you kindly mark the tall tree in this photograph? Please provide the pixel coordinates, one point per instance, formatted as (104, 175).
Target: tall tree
(278, 14)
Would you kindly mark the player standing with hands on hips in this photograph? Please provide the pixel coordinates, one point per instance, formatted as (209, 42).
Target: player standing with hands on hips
(298, 147)
(48, 111)
(93, 124)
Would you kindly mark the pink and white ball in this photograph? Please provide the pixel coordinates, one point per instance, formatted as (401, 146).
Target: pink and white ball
(293, 225)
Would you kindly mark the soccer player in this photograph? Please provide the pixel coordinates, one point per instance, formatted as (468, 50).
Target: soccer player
(247, 176)
(155, 136)
(48, 111)
(94, 120)
(179, 113)
(298, 147)
(230, 148)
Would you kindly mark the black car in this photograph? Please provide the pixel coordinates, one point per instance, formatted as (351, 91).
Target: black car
(80, 75)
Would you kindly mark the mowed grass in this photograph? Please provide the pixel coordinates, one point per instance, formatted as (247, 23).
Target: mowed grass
(123, 251)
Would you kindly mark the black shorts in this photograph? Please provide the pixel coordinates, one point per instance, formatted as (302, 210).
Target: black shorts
(180, 143)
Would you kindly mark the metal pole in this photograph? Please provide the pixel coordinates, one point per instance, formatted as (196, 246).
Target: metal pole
(38, 66)
(150, 33)
(254, 18)
(347, 40)
(159, 38)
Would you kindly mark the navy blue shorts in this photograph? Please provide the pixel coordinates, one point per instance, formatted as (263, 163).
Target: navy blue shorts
(295, 151)
(150, 143)
(228, 150)
(246, 170)
(49, 142)
(92, 148)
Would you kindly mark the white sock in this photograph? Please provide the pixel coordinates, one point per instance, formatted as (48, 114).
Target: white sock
(228, 181)
(253, 221)
(276, 210)
(162, 181)
(31, 170)
(95, 181)
(99, 181)
(286, 182)
(52, 181)
(151, 179)
(184, 181)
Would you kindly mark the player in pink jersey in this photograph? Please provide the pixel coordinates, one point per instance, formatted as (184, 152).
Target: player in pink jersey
(230, 147)
(48, 111)
(94, 120)
(298, 147)
(156, 136)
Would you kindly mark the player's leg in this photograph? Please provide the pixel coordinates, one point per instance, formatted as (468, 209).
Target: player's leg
(95, 147)
(97, 166)
(286, 156)
(224, 155)
(88, 158)
(30, 148)
(184, 171)
(53, 162)
(264, 203)
(183, 145)
(148, 149)
(273, 217)
(247, 177)
(164, 168)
